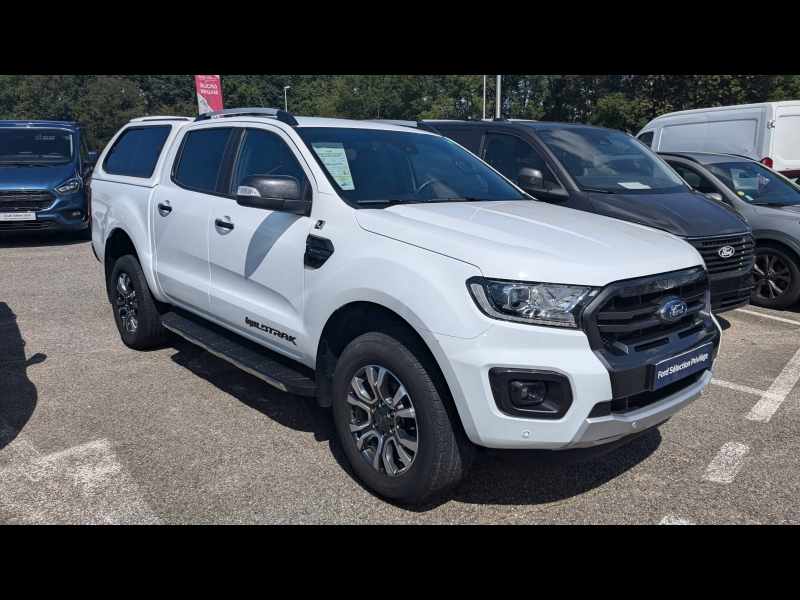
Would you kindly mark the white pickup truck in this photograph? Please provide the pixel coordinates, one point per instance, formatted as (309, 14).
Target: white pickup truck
(403, 282)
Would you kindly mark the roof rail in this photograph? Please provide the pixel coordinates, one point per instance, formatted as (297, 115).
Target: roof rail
(160, 118)
(279, 114)
(417, 124)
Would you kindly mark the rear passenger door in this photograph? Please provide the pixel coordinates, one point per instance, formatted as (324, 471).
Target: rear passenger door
(256, 254)
(180, 213)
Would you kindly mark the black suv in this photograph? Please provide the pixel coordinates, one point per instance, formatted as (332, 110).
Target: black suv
(609, 172)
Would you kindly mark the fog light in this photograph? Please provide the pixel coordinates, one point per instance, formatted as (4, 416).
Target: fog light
(527, 393)
(74, 214)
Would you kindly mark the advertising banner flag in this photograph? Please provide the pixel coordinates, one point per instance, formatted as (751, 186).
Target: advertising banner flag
(209, 93)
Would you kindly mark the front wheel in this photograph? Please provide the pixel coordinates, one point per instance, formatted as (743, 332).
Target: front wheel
(135, 309)
(777, 278)
(399, 429)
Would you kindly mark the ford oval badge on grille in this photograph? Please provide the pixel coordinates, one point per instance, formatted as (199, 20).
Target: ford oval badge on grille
(726, 251)
(672, 310)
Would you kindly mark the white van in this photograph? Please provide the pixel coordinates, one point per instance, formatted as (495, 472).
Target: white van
(768, 132)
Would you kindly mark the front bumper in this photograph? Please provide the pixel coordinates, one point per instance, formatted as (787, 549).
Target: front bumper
(466, 364)
(731, 291)
(56, 217)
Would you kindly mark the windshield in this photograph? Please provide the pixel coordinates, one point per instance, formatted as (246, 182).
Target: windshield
(610, 161)
(378, 167)
(35, 146)
(756, 184)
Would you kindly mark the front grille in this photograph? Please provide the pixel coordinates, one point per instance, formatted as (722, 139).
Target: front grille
(744, 250)
(25, 200)
(627, 320)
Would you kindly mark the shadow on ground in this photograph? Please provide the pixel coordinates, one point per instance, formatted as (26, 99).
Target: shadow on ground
(491, 480)
(18, 394)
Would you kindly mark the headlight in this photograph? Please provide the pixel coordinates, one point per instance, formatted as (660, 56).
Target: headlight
(534, 303)
(70, 187)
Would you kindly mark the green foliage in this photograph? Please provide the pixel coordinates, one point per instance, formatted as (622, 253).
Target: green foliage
(625, 102)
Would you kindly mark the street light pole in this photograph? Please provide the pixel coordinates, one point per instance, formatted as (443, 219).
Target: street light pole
(497, 110)
(285, 101)
(484, 97)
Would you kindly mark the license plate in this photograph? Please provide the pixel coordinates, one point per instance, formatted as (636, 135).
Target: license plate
(18, 216)
(683, 365)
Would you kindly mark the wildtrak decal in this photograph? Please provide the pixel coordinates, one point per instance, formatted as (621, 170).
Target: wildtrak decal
(257, 325)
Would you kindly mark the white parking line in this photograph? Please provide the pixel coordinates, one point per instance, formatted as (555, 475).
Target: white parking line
(740, 388)
(726, 463)
(758, 314)
(777, 392)
(84, 484)
(673, 520)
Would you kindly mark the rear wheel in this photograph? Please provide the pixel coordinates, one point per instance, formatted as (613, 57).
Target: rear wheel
(399, 429)
(777, 278)
(135, 309)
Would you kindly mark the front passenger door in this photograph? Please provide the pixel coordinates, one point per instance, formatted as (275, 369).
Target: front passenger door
(255, 254)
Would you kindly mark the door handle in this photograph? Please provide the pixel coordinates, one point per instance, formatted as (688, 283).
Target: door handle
(223, 224)
(165, 207)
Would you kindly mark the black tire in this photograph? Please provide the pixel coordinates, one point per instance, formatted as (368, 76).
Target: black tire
(148, 330)
(781, 287)
(444, 453)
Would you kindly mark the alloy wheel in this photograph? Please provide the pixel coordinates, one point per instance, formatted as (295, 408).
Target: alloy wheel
(382, 420)
(127, 306)
(772, 275)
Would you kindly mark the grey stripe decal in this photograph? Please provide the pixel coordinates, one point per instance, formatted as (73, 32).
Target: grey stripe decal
(264, 238)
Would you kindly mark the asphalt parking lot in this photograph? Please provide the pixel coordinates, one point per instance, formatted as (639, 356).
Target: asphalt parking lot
(92, 432)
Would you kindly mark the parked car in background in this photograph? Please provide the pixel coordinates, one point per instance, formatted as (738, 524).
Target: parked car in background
(771, 204)
(768, 132)
(608, 172)
(45, 172)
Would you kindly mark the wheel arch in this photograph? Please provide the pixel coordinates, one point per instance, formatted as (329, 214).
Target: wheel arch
(118, 244)
(780, 243)
(346, 324)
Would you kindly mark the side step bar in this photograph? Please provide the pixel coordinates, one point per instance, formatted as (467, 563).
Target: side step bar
(255, 362)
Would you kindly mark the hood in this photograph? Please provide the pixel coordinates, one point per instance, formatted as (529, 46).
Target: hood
(35, 178)
(683, 214)
(791, 212)
(533, 241)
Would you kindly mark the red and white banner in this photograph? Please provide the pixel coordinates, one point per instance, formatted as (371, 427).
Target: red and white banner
(209, 92)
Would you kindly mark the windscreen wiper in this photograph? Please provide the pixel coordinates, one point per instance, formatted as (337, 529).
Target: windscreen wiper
(599, 191)
(467, 199)
(771, 204)
(24, 164)
(392, 201)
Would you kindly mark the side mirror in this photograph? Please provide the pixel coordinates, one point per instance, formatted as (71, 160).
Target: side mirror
(530, 179)
(715, 196)
(272, 192)
(557, 193)
(91, 160)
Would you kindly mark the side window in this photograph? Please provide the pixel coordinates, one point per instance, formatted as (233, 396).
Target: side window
(82, 148)
(508, 154)
(200, 160)
(135, 153)
(646, 138)
(264, 153)
(460, 135)
(694, 179)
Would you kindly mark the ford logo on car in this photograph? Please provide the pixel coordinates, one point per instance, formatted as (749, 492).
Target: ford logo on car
(726, 251)
(672, 310)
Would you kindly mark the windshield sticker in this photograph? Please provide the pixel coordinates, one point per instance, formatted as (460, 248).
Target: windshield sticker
(334, 157)
(634, 185)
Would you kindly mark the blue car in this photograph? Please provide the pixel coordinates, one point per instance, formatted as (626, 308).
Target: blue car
(45, 176)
